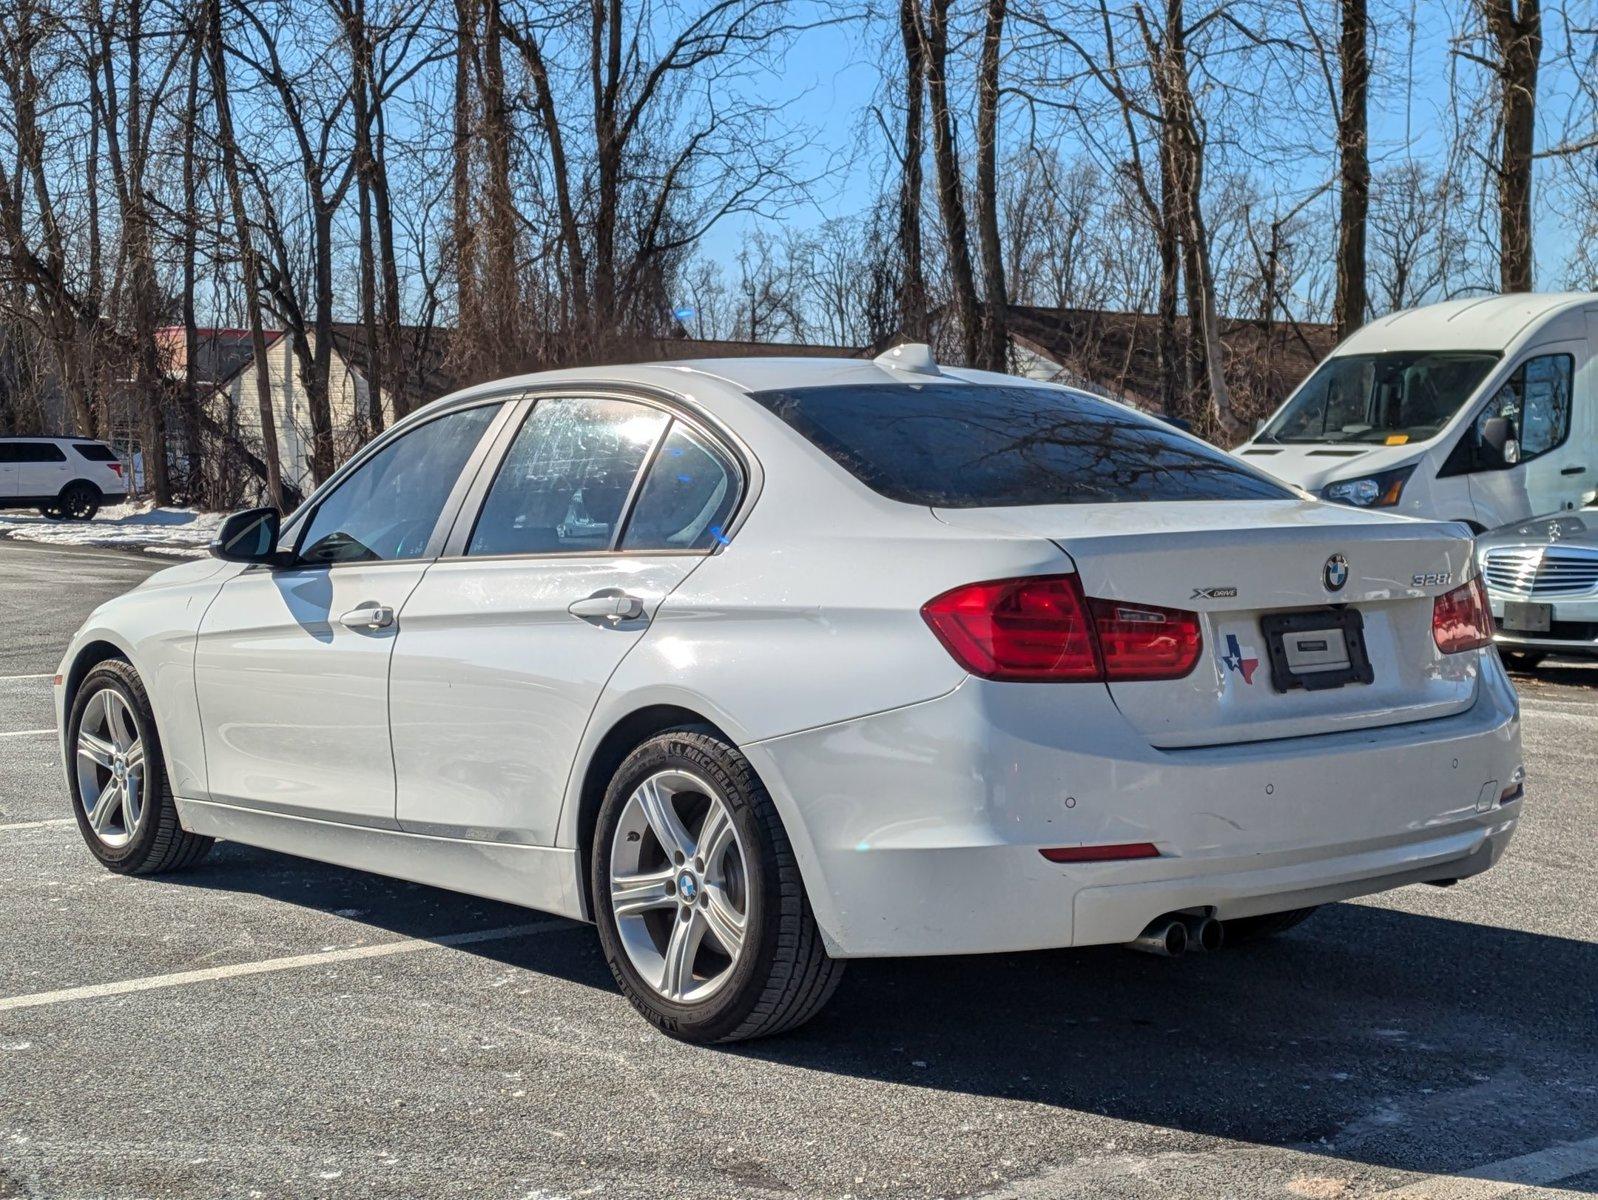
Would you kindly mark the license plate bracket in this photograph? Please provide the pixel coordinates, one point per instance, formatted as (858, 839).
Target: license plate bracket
(1523, 617)
(1316, 650)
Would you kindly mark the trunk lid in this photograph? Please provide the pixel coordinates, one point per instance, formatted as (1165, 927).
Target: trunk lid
(1236, 562)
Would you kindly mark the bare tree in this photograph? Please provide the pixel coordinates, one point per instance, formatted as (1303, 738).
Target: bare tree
(232, 174)
(1354, 170)
(1511, 54)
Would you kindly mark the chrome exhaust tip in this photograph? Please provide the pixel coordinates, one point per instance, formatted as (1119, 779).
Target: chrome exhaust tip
(1165, 936)
(1205, 933)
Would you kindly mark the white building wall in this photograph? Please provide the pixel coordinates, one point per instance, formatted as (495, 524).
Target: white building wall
(291, 413)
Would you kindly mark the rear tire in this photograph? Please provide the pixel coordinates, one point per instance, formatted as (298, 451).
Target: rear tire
(1524, 660)
(79, 501)
(735, 872)
(112, 741)
(1253, 929)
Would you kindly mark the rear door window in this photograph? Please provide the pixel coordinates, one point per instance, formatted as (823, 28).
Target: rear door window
(565, 481)
(686, 498)
(950, 445)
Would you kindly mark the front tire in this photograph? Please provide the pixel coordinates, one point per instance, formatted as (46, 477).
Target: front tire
(701, 911)
(117, 774)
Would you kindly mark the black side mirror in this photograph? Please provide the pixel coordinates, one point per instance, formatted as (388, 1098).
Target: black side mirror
(1498, 445)
(248, 537)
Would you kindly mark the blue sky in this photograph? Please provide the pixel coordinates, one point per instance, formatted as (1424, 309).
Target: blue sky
(833, 74)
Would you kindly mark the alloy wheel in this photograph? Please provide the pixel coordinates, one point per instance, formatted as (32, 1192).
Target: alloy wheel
(679, 886)
(111, 769)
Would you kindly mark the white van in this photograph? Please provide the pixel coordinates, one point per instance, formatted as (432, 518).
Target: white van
(1483, 411)
(64, 478)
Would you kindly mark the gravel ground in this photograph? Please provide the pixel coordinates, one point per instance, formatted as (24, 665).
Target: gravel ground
(1388, 1044)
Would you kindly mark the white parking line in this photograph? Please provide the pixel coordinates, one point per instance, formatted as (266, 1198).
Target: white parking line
(13, 678)
(26, 732)
(1501, 1178)
(292, 963)
(39, 824)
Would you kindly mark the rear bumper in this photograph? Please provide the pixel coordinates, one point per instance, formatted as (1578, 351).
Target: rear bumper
(918, 830)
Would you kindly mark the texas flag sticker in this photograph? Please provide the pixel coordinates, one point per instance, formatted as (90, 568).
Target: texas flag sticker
(1240, 659)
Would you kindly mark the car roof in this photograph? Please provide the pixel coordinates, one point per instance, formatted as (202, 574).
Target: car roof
(51, 437)
(738, 376)
(1481, 323)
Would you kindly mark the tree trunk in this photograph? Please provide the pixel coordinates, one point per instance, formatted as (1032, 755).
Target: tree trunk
(1354, 170)
(463, 231)
(1173, 362)
(365, 169)
(951, 201)
(995, 328)
(192, 449)
(1518, 38)
(271, 461)
(1180, 124)
(913, 283)
(499, 263)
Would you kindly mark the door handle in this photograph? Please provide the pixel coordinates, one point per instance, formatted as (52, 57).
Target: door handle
(609, 606)
(368, 617)
(1574, 471)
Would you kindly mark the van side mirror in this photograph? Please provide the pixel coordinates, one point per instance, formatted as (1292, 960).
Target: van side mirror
(1498, 445)
(248, 537)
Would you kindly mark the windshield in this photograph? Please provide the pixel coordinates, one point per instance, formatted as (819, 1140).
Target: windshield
(1391, 399)
(961, 445)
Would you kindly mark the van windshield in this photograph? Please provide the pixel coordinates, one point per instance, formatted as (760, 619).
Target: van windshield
(1405, 396)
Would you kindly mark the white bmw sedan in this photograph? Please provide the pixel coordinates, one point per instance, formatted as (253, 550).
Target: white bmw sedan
(763, 665)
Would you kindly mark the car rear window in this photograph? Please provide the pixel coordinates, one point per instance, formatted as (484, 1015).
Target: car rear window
(95, 452)
(980, 446)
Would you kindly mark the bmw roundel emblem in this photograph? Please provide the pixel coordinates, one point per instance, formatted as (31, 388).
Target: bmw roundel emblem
(1335, 573)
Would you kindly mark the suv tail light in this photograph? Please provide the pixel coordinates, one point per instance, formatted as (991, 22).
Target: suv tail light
(117, 467)
(1042, 629)
(1462, 618)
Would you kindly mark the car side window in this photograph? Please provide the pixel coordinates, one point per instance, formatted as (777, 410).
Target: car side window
(565, 480)
(387, 508)
(687, 495)
(1535, 400)
(31, 452)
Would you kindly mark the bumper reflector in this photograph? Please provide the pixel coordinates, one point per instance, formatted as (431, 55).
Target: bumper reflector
(1076, 854)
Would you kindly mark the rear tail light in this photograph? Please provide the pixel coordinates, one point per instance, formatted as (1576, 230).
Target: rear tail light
(117, 467)
(1041, 629)
(1142, 641)
(1462, 619)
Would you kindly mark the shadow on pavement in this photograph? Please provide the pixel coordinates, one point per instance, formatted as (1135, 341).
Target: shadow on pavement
(1367, 1035)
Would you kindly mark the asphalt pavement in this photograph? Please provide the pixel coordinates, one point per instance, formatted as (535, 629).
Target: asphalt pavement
(266, 1026)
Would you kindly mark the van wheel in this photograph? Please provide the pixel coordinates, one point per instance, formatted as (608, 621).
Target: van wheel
(80, 501)
(117, 773)
(702, 915)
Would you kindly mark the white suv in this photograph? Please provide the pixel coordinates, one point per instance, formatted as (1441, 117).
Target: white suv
(64, 478)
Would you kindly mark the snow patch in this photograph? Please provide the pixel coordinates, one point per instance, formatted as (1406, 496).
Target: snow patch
(174, 532)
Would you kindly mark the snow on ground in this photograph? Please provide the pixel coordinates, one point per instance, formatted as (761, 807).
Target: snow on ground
(179, 532)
